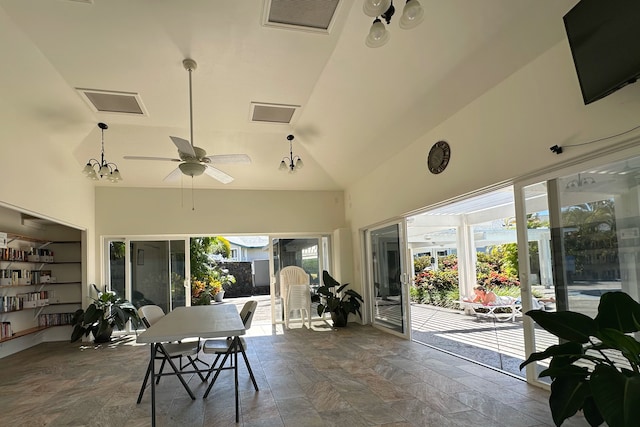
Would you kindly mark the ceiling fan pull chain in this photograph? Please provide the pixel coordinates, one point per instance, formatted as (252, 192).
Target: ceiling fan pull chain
(193, 199)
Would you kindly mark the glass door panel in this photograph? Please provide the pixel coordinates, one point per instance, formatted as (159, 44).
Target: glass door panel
(158, 273)
(387, 270)
(116, 267)
(597, 235)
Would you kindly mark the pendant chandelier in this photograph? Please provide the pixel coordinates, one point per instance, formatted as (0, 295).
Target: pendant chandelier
(412, 16)
(95, 169)
(291, 163)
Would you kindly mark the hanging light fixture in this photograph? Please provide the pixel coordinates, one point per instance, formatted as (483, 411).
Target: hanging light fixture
(412, 16)
(95, 169)
(291, 163)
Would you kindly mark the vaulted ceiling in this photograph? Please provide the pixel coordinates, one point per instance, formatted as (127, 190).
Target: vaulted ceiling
(356, 106)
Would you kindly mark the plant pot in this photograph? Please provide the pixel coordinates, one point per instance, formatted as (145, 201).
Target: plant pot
(218, 297)
(103, 337)
(339, 319)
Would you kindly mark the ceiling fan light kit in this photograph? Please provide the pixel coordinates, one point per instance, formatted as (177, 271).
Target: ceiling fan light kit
(412, 16)
(291, 163)
(194, 160)
(96, 169)
(192, 168)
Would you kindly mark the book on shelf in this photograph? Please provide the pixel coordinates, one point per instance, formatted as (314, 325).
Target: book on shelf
(6, 330)
(31, 255)
(55, 319)
(24, 300)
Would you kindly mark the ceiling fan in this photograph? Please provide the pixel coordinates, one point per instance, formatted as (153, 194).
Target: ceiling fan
(194, 160)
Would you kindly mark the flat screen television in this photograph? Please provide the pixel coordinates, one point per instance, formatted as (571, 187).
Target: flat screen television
(604, 37)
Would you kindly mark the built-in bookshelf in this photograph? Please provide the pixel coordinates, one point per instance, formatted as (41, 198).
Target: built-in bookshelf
(40, 284)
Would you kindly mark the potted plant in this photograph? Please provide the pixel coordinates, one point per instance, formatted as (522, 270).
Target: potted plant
(333, 298)
(596, 368)
(205, 291)
(102, 315)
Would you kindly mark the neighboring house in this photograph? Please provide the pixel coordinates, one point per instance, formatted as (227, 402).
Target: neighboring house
(247, 248)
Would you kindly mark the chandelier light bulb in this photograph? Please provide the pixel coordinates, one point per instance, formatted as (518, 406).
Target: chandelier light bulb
(412, 15)
(378, 34)
(375, 8)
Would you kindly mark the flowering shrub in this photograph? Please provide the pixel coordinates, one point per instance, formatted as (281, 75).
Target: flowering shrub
(492, 273)
(435, 286)
(202, 291)
(441, 287)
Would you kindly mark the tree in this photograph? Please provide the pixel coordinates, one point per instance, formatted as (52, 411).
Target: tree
(201, 249)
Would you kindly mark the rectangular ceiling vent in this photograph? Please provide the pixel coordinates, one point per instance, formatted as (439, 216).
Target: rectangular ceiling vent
(81, 1)
(102, 101)
(273, 113)
(305, 15)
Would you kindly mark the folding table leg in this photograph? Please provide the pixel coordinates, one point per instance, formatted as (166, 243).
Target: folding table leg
(153, 384)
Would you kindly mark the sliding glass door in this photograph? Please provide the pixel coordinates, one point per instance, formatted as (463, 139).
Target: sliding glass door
(388, 278)
(155, 273)
(158, 273)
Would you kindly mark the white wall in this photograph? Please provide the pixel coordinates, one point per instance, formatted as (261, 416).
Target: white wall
(134, 211)
(506, 134)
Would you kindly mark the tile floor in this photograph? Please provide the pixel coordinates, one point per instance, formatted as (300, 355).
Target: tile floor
(356, 376)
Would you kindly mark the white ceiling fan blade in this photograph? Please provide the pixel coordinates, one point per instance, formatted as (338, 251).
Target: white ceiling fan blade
(184, 146)
(218, 174)
(168, 159)
(174, 176)
(229, 158)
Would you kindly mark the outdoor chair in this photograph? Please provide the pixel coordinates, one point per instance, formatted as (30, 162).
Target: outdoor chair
(150, 314)
(222, 347)
(300, 299)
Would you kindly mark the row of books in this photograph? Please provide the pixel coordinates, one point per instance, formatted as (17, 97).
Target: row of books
(5, 330)
(24, 277)
(31, 255)
(55, 319)
(25, 300)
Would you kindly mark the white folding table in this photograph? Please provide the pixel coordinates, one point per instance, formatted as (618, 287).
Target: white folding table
(202, 321)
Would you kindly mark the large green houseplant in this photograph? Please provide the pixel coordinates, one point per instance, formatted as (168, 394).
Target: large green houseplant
(596, 368)
(101, 316)
(332, 297)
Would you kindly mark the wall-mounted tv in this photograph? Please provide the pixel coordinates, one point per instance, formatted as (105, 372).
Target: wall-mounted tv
(604, 36)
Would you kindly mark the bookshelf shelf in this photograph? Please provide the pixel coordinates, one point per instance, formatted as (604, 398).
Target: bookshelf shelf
(24, 332)
(51, 302)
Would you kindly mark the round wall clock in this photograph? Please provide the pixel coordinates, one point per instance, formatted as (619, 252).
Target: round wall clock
(438, 157)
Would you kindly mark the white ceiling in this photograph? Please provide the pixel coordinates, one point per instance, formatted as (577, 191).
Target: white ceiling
(358, 105)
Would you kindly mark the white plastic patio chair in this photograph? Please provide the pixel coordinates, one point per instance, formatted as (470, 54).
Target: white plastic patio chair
(295, 291)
